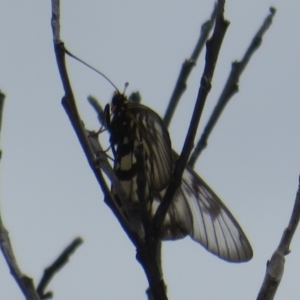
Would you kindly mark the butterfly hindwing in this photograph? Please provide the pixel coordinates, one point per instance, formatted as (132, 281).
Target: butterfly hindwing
(197, 211)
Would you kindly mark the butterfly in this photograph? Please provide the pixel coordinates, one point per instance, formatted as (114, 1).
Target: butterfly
(195, 209)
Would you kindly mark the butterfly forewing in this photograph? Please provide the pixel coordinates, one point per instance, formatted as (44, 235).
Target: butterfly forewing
(134, 125)
(197, 211)
(156, 143)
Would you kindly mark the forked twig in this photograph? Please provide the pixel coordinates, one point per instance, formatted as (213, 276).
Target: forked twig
(24, 282)
(213, 48)
(231, 86)
(187, 67)
(55, 267)
(275, 266)
(83, 135)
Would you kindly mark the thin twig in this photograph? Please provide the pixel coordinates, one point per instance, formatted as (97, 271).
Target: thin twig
(187, 67)
(275, 266)
(56, 266)
(24, 282)
(97, 107)
(231, 87)
(55, 20)
(213, 48)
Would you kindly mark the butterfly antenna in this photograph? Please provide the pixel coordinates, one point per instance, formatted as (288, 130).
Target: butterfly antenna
(89, 66)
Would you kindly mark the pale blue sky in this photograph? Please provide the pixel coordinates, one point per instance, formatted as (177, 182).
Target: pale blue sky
(48, 193)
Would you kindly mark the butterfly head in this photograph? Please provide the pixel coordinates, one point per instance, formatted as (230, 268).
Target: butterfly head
(119, 102)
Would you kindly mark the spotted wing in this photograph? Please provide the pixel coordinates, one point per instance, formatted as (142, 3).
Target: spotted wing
(197, 211)
(156, 144)
(142, 128)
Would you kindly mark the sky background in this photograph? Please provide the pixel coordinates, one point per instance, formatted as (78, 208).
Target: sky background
(48, 192)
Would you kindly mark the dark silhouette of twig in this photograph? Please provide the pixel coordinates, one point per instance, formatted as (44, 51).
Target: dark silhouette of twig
(231, 86)
(24, 282)
(275, 266)
(187, 67)
(213, 48)
(55, 267)
(97, 107)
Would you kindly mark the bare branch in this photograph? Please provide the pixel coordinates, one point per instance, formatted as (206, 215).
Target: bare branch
(275, 266)
(213, 48)
(83, 135)
(231, 87)
(59, 263)
(55, 20)
(24, 282)
(187, 66)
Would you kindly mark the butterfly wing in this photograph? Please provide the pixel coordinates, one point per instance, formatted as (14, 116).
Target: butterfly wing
(156, 143)
(197, 211)
(136, 126)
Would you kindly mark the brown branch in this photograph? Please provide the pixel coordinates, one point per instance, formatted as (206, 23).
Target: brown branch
(83, 135)
(24, 282)
(149, 256)
(213, 48)
(56, 266)
(275, 266)
(187, 67)
(231, 87)
(147, 247)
